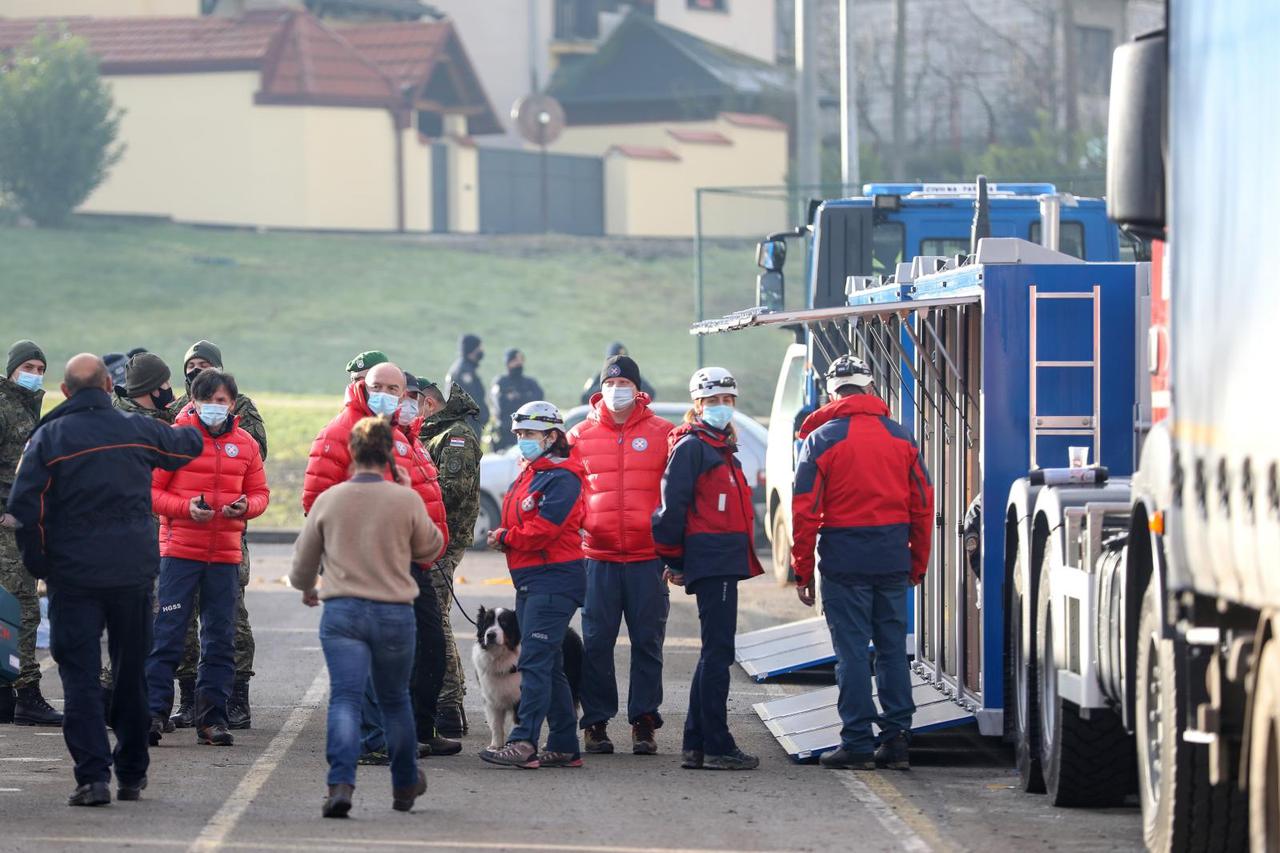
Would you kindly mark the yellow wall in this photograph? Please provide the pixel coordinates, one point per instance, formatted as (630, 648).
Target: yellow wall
(464, 188)
(99, 8)
(748, 27)
(200, 150)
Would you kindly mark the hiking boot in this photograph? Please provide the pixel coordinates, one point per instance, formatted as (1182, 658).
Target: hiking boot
(157, 730)
(596, 739)
(238, 713)
(214, 735)
(518, 753)
(736, 760)
(126, 792)
(376, 758)
(31, 709)
(402, 798)
(338, 803)
(185, 716)
(441, 746)
(6, 704)
(92, 794)
(894, 753)
(842, 759)
(642, 739)
(691, 759)
(559, 759)
(451, 721)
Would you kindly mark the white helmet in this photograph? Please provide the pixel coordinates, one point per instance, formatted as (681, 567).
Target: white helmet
(847, 370)
(711, 381)
(539, 415)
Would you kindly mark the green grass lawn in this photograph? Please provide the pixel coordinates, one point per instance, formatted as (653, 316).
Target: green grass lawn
(289, 310)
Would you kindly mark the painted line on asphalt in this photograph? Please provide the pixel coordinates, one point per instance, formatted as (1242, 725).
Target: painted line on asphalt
(312, 844)
(30, 760)
(908, 833)
(215, 832)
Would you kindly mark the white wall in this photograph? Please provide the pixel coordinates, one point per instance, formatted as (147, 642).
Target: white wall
(747, 26)
(99, 8)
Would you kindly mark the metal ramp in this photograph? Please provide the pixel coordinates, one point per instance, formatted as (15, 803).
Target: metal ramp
(781, 649)
(807, 725)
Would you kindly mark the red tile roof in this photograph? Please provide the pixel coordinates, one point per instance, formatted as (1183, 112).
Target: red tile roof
(643, 152)
(753, 120)
(699, 137)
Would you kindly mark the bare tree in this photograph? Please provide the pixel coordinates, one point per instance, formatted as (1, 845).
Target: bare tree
(899, 87)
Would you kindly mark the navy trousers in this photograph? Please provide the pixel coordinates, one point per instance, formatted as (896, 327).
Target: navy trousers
(77, 618)
(636, 592)
(544, 689)
(219, 588)
(706, 727)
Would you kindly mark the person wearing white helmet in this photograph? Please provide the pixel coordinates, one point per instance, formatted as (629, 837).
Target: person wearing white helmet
(863, 503)
(704, 532)
(541, 536)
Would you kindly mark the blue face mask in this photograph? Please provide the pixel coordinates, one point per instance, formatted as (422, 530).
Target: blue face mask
(717, 416)
(213, 414)
(382, 404)
(530, 448)
(30, 381)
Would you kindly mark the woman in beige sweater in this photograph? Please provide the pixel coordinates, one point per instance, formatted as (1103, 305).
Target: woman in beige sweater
(366, 532)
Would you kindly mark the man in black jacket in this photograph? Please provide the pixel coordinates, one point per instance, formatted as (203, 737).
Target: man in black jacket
(466, 372)
(82, 498)
(507, 394)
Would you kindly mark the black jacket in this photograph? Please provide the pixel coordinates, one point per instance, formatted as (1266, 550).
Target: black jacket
(463, 372)
(507, 394)
(83, 493)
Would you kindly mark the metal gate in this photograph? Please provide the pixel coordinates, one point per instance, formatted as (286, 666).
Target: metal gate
(512, 198)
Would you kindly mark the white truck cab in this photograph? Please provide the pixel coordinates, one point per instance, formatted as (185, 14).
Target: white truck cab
(788, 399)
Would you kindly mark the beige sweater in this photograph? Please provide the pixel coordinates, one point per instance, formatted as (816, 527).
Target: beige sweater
(365, 533)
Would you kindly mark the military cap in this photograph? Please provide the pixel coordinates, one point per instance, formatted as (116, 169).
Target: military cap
(366, 360)
(23, 351)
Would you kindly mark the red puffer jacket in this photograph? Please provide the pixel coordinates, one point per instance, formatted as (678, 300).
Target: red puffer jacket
(230, 465)
(624, 465)
(330, 460)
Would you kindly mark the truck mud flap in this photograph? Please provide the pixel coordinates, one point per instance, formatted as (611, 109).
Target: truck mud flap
(807, 725)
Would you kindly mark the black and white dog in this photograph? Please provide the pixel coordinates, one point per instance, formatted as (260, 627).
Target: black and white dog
(495, 655)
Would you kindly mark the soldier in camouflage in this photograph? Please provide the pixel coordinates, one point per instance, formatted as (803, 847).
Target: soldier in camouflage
(20, 400)
(201, 355)
(455, 449)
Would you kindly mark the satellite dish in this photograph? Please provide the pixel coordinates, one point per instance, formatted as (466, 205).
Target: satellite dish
(539, 118)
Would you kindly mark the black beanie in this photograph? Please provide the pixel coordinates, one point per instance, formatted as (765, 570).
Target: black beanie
(145, 373)
(621, 367)
(203, 349)
(468, 344)
(23, 351)
(509, 355)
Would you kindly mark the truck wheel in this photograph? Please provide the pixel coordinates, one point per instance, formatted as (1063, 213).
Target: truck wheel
(1180, 809)
(1022, 675)
(1264, 755)
(1085, 762)
(781, 541)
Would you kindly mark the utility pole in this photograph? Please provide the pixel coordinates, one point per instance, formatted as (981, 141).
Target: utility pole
(807, 168)
(850, 175)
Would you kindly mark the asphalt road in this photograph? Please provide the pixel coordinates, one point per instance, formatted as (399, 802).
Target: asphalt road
(265, 793)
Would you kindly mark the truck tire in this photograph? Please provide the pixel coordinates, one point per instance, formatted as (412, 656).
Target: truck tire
(1022, 680)
(1180, 809)
(1264, 754)
(781, 542)
(1085, 762)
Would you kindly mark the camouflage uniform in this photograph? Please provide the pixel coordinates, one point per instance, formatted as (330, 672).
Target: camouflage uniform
(456, 452)
(168, 415)
(252, 423)
(19, 414)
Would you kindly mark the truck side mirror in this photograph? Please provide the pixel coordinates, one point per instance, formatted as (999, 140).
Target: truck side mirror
(771, 255)
(770, 290)
(1136, 135)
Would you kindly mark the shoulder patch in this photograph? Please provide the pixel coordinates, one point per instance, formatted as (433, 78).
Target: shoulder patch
(457, 441)
(402, 449)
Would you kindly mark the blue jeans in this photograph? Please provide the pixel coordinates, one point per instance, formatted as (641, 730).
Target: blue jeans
(859, 613)
(544, 690)
(367, 641)
(706, 727)
(219, 588)
(638, 592)
(77, 617)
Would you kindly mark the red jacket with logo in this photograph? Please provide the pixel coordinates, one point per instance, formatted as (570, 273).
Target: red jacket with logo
(330, 460)
(705, 526)
(542, 528)
(862, 494)
(230, 465)
(624, 465)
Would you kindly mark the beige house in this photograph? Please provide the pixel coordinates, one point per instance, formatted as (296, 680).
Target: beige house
(276, 119)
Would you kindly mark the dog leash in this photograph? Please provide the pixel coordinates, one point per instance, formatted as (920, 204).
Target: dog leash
(436, 567)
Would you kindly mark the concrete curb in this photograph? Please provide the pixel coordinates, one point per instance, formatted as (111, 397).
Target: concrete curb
(273, 535)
